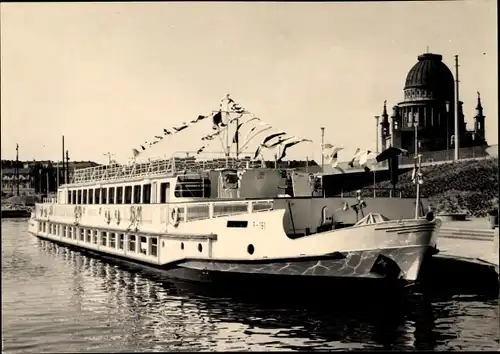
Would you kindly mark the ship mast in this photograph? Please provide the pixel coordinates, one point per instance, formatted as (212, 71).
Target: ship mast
(17, 168)
(228, 116)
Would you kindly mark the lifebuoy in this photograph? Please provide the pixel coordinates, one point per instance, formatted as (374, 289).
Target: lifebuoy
(174, 216)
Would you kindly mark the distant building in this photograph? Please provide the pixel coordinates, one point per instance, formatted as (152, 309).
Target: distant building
(429, 86)
(30, 182)
(9, 184)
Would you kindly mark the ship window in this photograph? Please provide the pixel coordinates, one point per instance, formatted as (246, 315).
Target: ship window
(112, 240)
(154, 246)
(131, 243)
(119, 195)
(146, 193)
(120, 241)
(73, 196)
(94, 239)
(104, 197)
(189, 187)
(103, 238)
(69, 197)
(65, 230)
(82, 234)
(164, 191)
(79, 197)
(237, 223)
(59, 228)
(128, 194)
(91, 195)
(70, 232)
(88, 236)
(137, 194)
(97, 193)
(143, 248)
(84, 197)
(111, 195)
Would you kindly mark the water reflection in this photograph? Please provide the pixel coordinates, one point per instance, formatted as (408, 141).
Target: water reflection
(79, 303)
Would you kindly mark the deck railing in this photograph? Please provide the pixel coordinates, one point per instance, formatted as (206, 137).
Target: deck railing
(152, 213)
(167, 167)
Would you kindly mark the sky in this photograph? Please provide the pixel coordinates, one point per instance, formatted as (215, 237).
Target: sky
(110, 76)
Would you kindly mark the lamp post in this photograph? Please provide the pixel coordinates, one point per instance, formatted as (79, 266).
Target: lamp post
(447, 104)
(322, 148)
(457, 100)
(417, 172)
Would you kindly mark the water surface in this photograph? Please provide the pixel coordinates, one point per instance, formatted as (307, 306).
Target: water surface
(58, 300)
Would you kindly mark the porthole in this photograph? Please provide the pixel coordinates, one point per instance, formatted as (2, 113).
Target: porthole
(182, 245)
(200, 247)
(250, 249)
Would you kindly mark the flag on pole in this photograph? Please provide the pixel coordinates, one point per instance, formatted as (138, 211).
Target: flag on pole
(416, 174)
(390, 152)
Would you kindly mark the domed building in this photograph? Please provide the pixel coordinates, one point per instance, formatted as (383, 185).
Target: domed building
(429, 102)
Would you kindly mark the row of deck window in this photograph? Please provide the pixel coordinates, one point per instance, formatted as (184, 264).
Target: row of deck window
(140, 193)
(119, 241)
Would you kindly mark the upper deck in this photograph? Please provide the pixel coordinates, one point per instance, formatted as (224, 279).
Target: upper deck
(156, 167)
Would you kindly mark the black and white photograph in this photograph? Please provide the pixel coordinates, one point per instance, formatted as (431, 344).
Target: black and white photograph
(249, 176)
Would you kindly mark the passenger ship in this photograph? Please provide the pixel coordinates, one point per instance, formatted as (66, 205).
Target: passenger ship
(231, 219)
(204, 223)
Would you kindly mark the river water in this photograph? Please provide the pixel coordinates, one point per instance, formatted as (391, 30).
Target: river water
(58, 300)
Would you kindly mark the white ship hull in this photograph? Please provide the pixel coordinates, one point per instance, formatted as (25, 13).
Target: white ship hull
(205, 248)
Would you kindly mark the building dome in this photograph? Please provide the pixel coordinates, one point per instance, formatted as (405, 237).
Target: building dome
(431, 76)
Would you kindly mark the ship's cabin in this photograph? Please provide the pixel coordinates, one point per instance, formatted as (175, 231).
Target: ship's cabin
(193, 186)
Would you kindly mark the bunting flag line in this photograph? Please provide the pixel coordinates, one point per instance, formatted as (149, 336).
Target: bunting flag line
(272, 136)
(330, 152)
(217, 120)
(247, 141)
(280, 141)
(260, 123)
(356, 155)
(183, 126)
(266, 139)
(200, 117)
(200, 150)
(173, 130)
(237, 134)
(289, 145)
